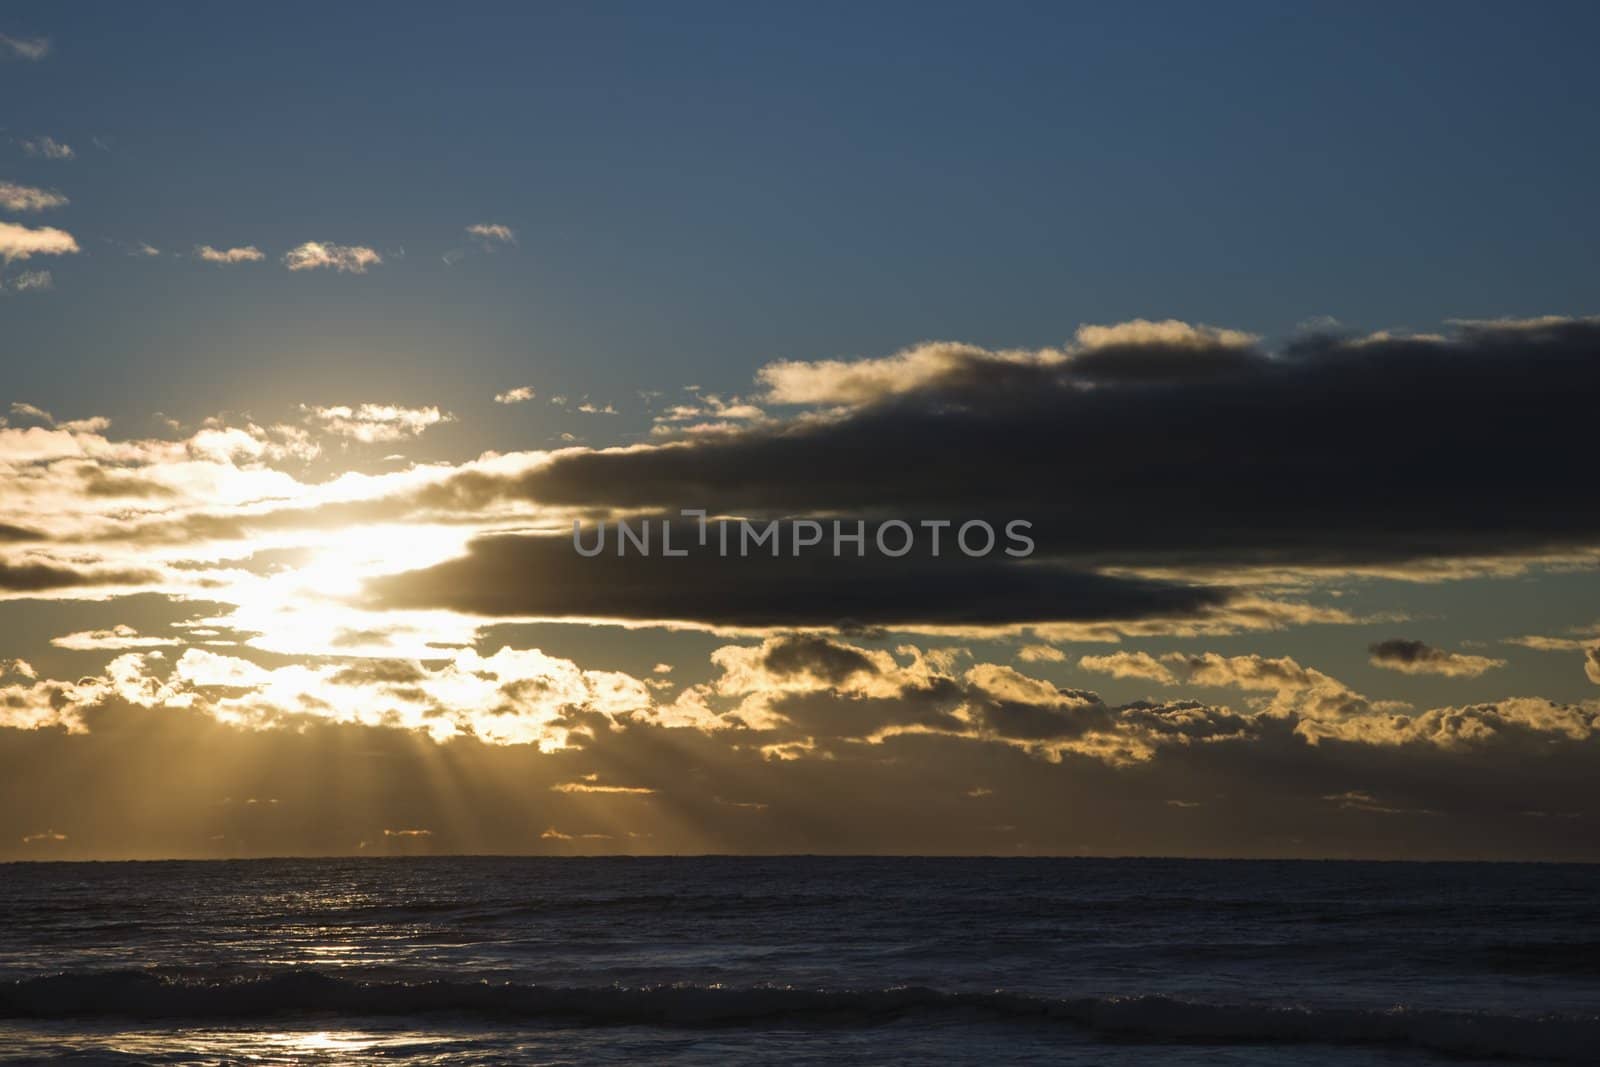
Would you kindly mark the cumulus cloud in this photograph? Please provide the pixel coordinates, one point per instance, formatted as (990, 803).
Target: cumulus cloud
(492, 233)
(1591, 664)
(14, 197)
(31, 48)
(244, 254)
(370, 423)
(804, 689)
(21, 242)
(835, 736)
(1418, 657)
(520, 395)
(41, 704)
(47, 148)
(314, 255)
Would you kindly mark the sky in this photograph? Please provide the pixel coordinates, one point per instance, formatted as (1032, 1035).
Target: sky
(321, 328)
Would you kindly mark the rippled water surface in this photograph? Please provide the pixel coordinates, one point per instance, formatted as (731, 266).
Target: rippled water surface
(715, 960)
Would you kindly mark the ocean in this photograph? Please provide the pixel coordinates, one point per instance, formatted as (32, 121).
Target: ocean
(809, 960)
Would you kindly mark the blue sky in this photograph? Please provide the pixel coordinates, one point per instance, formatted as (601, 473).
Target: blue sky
(700, 191)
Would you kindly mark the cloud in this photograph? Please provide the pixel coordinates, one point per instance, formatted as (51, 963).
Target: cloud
(25, 410)
(1129, 665)
(553, 834)
(407, 833)
(1355, 800)
(1541, 643)
(245, 254)
(492, 233)
(14, 197)
(1140, 350)
(370, 423)
(32, 281)
(1100, 443)
(44, 704)
(47, 148)
(45, 836)
(589, 786)
(846, 744)
(354, 259)
(21, 242)
(36, 576)
(520, 395)
(120, 637)
(541, 576)
(513, 697)
(1040, 654)
(1417, 657)
(30, 48)
(1591, 664)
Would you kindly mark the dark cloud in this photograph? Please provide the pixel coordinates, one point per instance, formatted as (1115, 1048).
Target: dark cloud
(816, 656)
(1337, 451)
(1418, 657)
(111, 483)
(8, 532)
(38, 577)
(338, 784)
(1400, 650)
(543, 576)
(379, 671)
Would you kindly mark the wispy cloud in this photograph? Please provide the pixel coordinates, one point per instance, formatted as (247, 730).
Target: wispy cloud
(47, 148)
(14, 197)
(24, 410)
(520, 395)
(31, 48)
(32, 280)
(354, 259)
(492, 233)
(591, 784)
(118, 638)
(374, 422)
(21, 242)
(245, 254)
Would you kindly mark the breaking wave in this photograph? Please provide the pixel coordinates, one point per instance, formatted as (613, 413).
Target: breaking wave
(140, 995)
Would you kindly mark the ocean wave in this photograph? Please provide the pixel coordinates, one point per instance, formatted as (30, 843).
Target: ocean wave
(144, 996)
